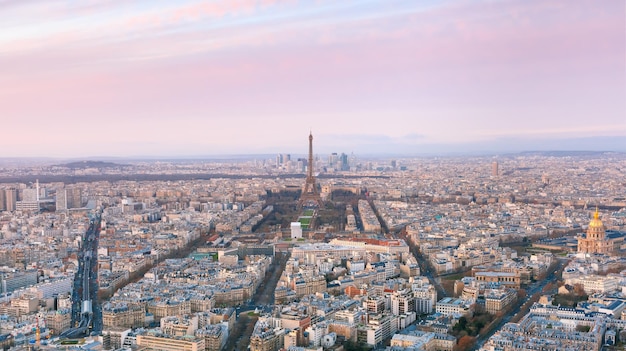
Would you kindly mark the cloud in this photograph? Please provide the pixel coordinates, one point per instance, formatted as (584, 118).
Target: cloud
(393, 73)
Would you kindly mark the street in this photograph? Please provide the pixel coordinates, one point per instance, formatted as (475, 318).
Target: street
(533, 289)
(262, 300)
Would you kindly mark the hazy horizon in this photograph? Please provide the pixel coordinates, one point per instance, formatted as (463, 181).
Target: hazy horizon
(571, 147)
(178, 79)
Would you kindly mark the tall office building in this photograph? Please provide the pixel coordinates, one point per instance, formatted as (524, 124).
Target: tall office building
(345, 164)
(74, 197)
(30, 195)
(279, 160)
(3, 201)
(332, 159)
(61, 200)
(282, 159)
(494, 169)
(352, 160)
(10, 196)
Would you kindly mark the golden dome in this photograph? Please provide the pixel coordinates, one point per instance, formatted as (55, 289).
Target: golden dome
(596, 222)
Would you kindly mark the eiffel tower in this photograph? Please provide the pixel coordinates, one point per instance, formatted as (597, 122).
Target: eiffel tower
(310, 195)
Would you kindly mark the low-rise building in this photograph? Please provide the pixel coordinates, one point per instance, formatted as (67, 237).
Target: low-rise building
(452, 306)
(157, 341)
(508, 279)
(499, 300)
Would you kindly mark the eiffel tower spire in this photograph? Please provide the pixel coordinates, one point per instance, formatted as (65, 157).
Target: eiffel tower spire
(310, 195)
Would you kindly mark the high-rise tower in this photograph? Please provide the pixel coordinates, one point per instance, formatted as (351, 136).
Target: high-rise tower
(310, 164)
(3, 203)
(310, 194)
(10, 198)
(61, 199)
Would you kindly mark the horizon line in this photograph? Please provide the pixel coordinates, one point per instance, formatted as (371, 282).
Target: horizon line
(366, 154)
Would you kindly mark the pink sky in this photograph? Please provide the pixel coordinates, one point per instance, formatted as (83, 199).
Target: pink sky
(224, 77)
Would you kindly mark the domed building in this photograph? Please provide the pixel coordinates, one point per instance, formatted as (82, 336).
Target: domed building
(594, 241)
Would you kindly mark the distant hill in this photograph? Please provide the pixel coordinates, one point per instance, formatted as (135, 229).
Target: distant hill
(90, 164)
(565, 153)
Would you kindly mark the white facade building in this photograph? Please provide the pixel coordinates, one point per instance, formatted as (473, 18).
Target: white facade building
(296, 230)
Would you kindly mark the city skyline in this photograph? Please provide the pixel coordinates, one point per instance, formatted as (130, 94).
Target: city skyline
(196, 78)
